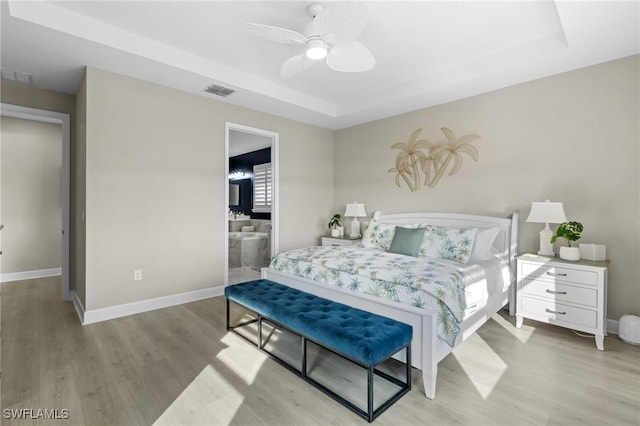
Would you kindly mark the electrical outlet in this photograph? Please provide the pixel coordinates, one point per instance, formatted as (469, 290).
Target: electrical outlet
(137, 274)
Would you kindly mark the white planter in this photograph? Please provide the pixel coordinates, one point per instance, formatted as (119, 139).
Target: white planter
(570, 253)
(335, 232)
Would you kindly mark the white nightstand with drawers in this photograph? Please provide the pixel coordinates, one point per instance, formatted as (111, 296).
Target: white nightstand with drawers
(563, 293)
(340, 241)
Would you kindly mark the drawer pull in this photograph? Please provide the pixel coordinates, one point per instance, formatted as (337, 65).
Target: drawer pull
(556, 274)
(335, 245)
(556, 292)
(555, 312)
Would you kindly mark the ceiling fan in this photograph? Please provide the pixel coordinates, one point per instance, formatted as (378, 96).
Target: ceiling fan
(330, 35)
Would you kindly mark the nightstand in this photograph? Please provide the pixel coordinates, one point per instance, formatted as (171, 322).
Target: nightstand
(340, 241)
(563, 293)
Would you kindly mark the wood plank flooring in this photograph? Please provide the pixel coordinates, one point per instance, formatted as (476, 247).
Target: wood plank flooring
(178, 366)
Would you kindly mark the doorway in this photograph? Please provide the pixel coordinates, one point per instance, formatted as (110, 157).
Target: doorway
(251, 201)
(26, 113)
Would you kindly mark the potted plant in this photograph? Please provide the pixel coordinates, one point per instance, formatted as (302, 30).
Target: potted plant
(335, 224)
(570, 231)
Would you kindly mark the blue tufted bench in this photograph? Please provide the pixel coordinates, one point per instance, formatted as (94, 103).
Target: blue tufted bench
(364, 338)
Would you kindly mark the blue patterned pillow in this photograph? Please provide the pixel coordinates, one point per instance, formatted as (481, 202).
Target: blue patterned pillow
(378, 235)
(448, 243)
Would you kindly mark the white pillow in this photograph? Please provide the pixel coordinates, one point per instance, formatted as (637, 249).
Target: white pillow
(451, 243)
(483, 248)
(378, 235)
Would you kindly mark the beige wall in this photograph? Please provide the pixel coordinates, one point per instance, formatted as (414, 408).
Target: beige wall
(79, 185)
(155, 187)
(152, 152)
(573, 137)
(30, 177)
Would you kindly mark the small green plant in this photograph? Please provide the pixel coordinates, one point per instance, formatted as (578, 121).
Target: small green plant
(336, 220)
(570, 231)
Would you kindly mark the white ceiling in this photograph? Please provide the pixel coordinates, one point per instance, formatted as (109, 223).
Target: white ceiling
(427, 52)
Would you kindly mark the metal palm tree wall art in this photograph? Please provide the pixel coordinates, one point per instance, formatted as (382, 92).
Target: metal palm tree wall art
(420, 155)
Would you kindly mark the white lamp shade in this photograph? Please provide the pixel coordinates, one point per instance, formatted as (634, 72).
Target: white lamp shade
(547, 212)
(355, 210)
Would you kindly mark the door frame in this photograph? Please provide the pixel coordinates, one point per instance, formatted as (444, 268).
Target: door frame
(34, 114)
(275, 222)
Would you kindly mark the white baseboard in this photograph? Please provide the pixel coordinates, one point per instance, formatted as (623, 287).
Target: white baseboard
(29, 275)
(77, 304)
(103, 314)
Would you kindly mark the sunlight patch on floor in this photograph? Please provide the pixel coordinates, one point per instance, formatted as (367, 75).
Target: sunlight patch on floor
(209, 399)
(522, 334)
(245, 361)
(483, 366)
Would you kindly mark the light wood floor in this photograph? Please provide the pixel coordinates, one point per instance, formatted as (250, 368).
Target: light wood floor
(179, 366)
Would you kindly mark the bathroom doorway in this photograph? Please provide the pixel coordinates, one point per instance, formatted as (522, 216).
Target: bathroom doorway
(251, 201)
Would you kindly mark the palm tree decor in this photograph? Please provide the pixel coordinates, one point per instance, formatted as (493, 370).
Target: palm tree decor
(432, 159)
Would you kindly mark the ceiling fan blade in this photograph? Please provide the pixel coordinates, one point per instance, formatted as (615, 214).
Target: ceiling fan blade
(295, 65)
(277, 34)
(342, 23)
(352, 57)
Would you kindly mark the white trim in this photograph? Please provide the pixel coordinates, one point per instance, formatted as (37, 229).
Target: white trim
(126, 309)
(77, 304)
(30, 275)
(275, 210)
(262, 182)
(613, 326)
(26, 113)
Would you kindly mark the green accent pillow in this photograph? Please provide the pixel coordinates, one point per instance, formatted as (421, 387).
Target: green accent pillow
(407, 241)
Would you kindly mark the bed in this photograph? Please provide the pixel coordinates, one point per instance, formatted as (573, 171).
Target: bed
(479, 285)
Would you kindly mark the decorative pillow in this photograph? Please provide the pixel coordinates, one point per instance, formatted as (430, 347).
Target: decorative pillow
(407, 241)
(378, 235)
(483, 248)
(448, 243)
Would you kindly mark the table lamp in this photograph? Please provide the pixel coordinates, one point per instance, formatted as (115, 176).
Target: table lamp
(355, 210)
(546, 212)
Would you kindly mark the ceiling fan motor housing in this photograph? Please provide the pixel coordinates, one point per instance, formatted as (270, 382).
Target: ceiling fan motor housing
(314, 8)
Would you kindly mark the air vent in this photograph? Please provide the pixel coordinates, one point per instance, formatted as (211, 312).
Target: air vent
(219, 90)
(19, 76)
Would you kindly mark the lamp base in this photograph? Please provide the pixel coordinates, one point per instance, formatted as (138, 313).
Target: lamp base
(355, 228)
(546, 248)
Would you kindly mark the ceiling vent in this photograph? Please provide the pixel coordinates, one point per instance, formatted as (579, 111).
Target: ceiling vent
(219, 90)
(19, 76)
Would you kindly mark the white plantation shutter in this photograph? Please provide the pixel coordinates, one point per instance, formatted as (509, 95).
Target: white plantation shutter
(262, 188)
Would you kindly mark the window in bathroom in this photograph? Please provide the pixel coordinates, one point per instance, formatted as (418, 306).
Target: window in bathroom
(262, 188)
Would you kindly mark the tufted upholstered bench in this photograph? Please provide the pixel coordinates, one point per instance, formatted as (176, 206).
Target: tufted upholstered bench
(364, 338)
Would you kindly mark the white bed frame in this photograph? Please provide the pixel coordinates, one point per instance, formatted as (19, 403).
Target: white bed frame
(427, 350)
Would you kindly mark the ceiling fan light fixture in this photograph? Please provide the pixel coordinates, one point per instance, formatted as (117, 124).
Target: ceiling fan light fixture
(316, 49)
(331, 35)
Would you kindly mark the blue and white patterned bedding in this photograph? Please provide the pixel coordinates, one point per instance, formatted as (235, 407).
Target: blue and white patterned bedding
(432, 284)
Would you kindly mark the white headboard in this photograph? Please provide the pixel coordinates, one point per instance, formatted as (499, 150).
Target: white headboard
(506, 241)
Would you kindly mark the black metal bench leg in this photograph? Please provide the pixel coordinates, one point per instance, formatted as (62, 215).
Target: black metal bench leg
(260, 331)
(228, 325)
(370, 393)
(304, 357)
(408, 359)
